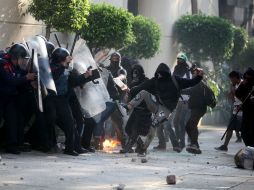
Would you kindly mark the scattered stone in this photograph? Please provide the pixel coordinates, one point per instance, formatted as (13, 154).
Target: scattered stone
(4, 164)
(171, 179)
(61, 179)
(119, 187)
(174, 162)
(156, 172)
(207, 162)
(143, 160)
(5, 184)
(102, 172)
(21, 178)
(133, 160)
(15, 166)
(69, 167)
(116, 163)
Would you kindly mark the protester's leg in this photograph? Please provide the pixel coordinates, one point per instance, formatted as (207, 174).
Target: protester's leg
(161, 137)
(118, 125)
(192, 130)
(176, 120)
(149, 99)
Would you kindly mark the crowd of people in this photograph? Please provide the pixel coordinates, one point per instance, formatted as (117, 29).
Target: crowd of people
(179, 98)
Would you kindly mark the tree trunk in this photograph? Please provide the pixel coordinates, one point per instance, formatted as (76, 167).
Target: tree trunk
(194, 7)
(48, 28)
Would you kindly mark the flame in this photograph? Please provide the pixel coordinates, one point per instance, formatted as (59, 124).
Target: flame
(110, 144)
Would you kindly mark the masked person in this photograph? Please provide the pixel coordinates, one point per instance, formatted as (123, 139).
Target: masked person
(11, 77)
(117, 119)
(235, 78)
(161, 93)
(245, 93)
(56, 106)
(140, 120)
(182, 112)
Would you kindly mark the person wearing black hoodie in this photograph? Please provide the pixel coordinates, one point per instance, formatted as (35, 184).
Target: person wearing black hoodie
(242, 92)
(140, 120)
(161, 93)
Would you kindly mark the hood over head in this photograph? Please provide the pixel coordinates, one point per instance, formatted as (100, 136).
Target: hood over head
(163, 69)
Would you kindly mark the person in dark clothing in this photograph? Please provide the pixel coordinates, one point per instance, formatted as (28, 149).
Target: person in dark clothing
(56, 106)
(11, 77)
(182, 112)
(140, 120)
(198, 108)
(161, 93)
(242, 92)
(235, 78)
(117, 120)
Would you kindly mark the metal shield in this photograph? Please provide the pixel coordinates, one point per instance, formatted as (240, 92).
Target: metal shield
(38, 44)
(92, 97)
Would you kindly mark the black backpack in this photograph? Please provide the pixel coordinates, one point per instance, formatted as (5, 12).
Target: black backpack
(209, 97)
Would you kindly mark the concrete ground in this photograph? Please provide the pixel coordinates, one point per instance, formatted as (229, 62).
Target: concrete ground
(210, 170)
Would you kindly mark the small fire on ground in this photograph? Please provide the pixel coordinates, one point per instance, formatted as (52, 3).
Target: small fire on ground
(109, 145)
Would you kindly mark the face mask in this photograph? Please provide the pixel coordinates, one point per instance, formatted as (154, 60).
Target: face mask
(23, 64)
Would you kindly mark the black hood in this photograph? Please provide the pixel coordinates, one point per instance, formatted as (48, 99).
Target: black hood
(139, 68)
(163, 69)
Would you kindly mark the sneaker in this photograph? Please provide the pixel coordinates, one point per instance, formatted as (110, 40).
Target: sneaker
(82, 151)
(160, 147)
(193, 149)
(239, 140)
(222, 148)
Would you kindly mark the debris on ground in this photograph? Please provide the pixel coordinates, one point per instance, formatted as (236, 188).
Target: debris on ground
(171, 179)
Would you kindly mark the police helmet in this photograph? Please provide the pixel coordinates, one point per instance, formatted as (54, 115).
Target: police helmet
(50, 48)
(19, 51)
(59, 55)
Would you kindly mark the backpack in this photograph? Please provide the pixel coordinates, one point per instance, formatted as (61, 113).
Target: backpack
(209, 97)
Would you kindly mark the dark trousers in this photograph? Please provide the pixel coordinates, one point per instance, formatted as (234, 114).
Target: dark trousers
(58, 112)
(8, 111)
(88, 132)
(192, 125)
(247, 129)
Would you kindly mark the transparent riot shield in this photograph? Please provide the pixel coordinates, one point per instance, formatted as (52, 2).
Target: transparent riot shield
(38, 44)
(93, 95)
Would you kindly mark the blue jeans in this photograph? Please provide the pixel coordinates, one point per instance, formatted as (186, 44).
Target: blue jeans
(102, 117)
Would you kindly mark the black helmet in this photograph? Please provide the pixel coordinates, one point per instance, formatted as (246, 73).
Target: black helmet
(59, 55)
(50, 48)
(19, 51)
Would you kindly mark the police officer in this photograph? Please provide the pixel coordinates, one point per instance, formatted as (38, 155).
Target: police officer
(56, 106)
(11, 77)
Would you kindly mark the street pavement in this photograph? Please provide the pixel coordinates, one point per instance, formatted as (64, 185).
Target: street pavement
(210, 170)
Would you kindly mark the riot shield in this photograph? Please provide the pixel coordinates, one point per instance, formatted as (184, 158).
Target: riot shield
(92, 96)
(38, 44)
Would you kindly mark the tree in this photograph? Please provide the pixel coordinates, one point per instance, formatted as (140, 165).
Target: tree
(240, 44)
(247, 56)
(147, 34)
(108, 27)
(205, 37)
(63, 15)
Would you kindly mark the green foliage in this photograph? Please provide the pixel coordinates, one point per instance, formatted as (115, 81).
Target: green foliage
(247, 57)
(214, 86)
(147, 42)
(205, 37)
(240, 41)
(64, 15)
(108, 27)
